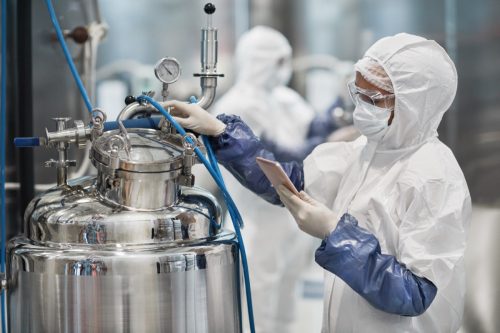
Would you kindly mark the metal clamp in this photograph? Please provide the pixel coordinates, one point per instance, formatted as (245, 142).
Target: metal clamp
(116, 143)
(189, 145)
(187, 178)
(98, 117)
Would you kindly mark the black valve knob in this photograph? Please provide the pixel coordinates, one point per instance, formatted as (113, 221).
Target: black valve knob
(209, 8)
(79, 34)
(129, 100)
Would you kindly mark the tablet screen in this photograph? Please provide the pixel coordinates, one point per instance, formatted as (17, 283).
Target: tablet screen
(276, 175)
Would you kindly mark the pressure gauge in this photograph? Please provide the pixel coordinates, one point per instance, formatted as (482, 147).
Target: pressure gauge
(168, 70)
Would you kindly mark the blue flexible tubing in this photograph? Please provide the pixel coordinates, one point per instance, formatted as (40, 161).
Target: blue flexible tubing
(67, 55)
(3, 157)
(233, 211)
(215, 164)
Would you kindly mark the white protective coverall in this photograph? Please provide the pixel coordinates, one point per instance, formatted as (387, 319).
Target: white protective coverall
(277, 252)
(407, 189)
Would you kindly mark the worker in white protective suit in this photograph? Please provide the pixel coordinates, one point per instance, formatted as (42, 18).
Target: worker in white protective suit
(392, 208)
(273, 111)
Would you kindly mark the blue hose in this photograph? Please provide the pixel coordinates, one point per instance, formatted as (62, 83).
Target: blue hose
(67, 55)
(150, 122)
(215, 164)
(3, 134)
(233, 210)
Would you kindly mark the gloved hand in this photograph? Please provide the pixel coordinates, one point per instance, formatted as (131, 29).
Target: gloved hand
(311, 216)
(195, 118)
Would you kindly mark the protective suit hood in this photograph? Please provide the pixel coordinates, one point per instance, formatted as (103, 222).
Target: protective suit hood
(257, 55)
(425, 83)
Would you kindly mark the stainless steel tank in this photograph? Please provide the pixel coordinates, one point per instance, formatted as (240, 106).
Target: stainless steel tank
(130, 250)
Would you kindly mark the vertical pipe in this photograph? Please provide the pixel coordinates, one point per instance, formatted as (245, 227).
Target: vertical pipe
(450, 27)
(62, 174)
(25, 101)
(3, 133)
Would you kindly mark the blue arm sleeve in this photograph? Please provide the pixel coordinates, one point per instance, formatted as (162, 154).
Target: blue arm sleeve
(320, 128)
(324, 124)
(353, 254)
(237, 148)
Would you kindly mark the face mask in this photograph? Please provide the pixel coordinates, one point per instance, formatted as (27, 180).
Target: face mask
(371, 120)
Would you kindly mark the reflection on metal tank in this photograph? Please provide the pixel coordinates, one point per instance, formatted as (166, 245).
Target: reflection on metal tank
(130, 250)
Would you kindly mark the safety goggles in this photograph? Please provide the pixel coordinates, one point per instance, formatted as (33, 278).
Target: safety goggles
(372, 97)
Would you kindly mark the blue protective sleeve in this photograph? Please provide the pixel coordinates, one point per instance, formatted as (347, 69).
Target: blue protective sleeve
(354, 255)
(237, 148)
(324, 124)
(319, 129)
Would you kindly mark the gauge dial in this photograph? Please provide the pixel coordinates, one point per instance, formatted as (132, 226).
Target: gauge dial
(168, 70)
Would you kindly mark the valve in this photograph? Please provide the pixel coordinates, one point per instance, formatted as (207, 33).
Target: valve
(129, 100)
(79, 35)
(62, 163)
(97, 118)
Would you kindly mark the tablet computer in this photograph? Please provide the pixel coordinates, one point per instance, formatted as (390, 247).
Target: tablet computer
(276, 175)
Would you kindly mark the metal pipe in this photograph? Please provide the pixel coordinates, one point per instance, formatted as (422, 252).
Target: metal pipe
(208, 86)
(24, 95)
(62, 169)
(135, 108)
(208, 89)
(70, 135)
(209, 45)
(62, 163)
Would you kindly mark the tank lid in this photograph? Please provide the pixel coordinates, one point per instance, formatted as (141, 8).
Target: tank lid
(77, 214)
(147, 151)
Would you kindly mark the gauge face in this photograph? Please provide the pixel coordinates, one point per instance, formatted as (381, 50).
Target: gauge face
(168, 70)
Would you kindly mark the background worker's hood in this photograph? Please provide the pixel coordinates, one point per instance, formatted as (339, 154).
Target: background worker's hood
(257, 55)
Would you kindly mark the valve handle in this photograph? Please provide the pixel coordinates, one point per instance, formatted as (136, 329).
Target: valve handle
(24, 142)
(209, 8)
